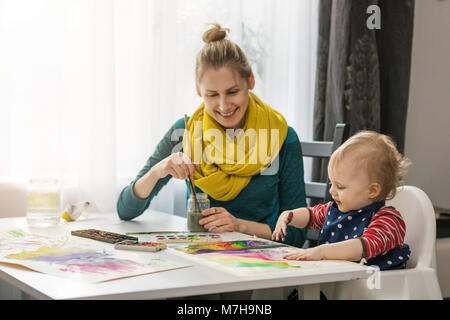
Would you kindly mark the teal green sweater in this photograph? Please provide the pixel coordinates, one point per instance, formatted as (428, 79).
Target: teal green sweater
(262, 200)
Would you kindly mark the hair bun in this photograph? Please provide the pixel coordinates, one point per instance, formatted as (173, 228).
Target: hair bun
(216, 33)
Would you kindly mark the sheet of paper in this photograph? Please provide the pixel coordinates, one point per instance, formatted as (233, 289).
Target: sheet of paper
(69, 258)
(248, 261)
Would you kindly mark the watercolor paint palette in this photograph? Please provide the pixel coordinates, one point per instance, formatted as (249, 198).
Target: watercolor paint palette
(188, 237)
(140, 246)
(104, 236)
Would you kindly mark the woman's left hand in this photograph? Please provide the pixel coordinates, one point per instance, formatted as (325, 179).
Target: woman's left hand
(218, 219)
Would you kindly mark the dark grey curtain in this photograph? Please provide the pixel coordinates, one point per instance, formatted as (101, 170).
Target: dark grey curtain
(362, 75)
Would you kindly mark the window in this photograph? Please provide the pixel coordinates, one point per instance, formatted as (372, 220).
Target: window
(88, 88)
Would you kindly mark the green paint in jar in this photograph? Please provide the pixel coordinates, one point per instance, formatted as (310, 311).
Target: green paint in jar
(193, 216)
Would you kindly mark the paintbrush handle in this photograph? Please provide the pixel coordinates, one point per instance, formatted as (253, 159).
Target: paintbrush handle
(188, 138)
(188, 151)
(196, 205)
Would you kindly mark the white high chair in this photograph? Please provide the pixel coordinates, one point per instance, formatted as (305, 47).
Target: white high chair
(443, 265)
(419, 279)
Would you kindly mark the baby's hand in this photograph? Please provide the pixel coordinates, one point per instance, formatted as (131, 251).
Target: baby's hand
(281, 227)
(306, 254)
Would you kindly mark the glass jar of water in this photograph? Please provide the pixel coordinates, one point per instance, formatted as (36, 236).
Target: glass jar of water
(43, 202)
(194, 214)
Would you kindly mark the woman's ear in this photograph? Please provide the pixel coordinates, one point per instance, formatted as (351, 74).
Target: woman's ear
(374, 190)
(251, 82)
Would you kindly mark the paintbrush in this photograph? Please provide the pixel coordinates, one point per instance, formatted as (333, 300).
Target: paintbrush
(191, 179)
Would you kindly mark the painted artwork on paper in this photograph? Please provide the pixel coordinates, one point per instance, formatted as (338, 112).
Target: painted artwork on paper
(239, 245)
(262, 262)
(248, 260)
(265, 259)
(61, 257)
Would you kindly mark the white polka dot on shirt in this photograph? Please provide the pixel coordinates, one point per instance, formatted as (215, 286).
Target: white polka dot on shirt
(400, 257)
(354, 228)
(349, 218)
(339, 225)
(389, 262)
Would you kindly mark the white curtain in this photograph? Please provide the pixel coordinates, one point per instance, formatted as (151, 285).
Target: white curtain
(89, 87)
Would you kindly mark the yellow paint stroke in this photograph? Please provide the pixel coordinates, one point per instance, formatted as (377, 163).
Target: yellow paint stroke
(42, 251)
(247, 262)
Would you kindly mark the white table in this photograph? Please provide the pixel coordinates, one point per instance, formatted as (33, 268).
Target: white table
(195, 280)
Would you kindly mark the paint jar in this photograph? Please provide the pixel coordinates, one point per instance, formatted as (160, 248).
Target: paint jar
(193, 215)
(43, 202)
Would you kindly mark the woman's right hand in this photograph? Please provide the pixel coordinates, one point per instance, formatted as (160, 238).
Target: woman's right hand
(179, 165)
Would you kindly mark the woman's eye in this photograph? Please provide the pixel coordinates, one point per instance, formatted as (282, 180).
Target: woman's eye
(233, 92)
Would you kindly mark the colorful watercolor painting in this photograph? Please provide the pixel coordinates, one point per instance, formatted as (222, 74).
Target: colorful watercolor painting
(240, 245)
(64, 258)
(255, 259)
(250, 262)
(246, 262)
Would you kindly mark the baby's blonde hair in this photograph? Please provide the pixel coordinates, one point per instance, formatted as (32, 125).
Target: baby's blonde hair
(379, 157)
(219, 52)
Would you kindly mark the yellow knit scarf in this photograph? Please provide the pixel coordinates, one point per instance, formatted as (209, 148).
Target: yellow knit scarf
(227, 162)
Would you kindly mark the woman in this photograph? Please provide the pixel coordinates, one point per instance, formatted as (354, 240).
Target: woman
(242, 152)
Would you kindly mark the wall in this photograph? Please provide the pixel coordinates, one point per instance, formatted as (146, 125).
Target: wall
(427, 141)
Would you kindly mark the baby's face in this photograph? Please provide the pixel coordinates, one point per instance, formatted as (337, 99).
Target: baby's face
(349, 185)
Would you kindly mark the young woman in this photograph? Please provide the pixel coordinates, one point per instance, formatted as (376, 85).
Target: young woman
(249, 161)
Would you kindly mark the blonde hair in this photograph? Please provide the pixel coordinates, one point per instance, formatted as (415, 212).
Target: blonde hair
(379, 157)
(219, 52)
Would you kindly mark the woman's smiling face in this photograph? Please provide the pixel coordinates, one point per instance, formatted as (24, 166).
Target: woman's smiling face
(225, 94)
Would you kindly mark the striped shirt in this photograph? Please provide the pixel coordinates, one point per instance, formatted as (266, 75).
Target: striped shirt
(385, 231)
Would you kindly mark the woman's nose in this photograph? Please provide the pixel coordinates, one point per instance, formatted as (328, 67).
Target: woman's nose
(224, 105)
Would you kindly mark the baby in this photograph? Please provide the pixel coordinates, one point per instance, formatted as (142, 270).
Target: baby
(364, 172)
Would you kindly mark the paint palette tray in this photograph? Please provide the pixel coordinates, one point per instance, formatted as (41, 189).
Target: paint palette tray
(140, 246)
(188, 238)
(100, 235)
